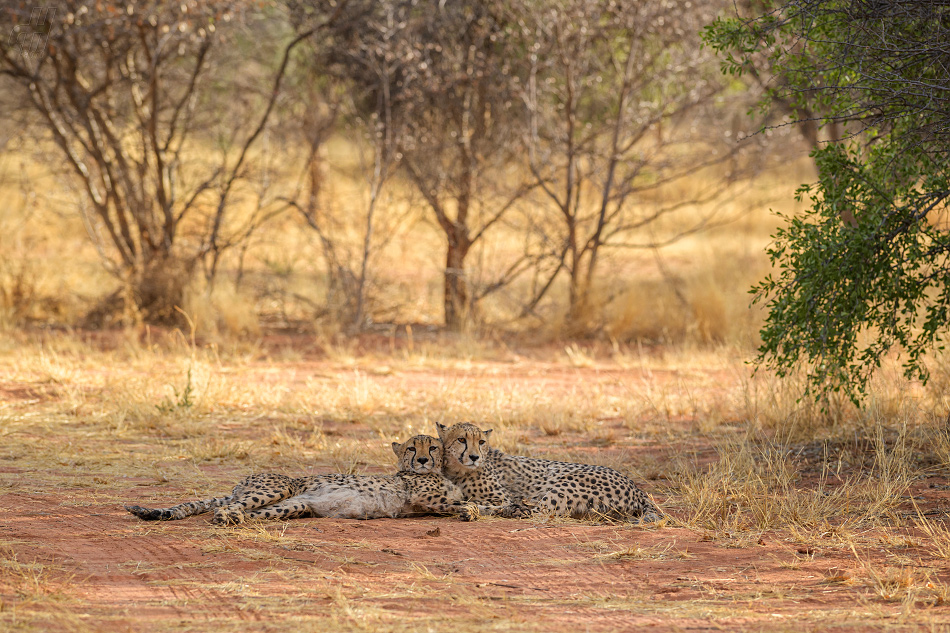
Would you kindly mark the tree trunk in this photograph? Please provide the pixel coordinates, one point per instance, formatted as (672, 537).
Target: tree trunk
(457, 300)
(577, 312)
(158, 289)
(577, 288)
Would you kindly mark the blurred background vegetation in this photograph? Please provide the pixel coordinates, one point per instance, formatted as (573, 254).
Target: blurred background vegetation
(578, 169)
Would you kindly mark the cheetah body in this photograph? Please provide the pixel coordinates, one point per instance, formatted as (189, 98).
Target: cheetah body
(539, 487)
(418, 488)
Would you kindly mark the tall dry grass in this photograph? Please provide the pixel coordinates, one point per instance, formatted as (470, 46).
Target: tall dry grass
(692, 292)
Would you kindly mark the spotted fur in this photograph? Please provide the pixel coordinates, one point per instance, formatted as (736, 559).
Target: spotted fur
(538, 487)
(418, 488)
(465, 448)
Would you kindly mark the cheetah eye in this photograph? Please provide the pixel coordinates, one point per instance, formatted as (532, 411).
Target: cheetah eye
(461, 440)
(481, 442)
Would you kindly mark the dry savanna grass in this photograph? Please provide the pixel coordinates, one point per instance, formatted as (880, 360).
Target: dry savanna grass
(782, 514)
(768, 520)
(693, 291)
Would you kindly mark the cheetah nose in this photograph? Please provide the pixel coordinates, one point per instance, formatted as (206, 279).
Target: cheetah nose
(474, 458)
(423, 460)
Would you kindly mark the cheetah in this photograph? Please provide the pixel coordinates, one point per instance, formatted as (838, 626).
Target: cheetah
(538, 487)
(418, 488)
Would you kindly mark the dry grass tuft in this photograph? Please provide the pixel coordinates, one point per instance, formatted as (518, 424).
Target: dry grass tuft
(838, 576)
(754, 485)
(31, 581)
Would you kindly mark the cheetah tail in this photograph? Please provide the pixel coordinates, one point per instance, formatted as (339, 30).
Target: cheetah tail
(180, 511)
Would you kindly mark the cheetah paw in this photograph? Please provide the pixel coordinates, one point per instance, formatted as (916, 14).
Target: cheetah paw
(650, 517)
(469, 513)
(515, 511)
(222, 517)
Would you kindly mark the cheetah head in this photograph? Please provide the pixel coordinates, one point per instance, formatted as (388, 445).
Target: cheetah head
(465, 445)
(420, 454)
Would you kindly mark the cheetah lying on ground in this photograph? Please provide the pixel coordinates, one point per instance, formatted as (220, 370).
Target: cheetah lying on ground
(418, 488)
(538, 487)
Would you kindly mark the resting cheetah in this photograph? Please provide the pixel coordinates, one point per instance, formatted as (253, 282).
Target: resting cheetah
(418, 488)
(538, 487)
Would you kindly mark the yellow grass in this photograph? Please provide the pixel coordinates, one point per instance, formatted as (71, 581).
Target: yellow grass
(663, 394)
(693, 291)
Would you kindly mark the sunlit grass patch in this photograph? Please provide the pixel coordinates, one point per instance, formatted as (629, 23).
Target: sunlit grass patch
(754, 485)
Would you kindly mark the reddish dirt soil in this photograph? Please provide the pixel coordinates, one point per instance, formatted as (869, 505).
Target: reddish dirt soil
(561, 577)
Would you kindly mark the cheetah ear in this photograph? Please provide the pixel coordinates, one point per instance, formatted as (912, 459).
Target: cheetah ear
(442, 430)
(396, 447)
(487, 433)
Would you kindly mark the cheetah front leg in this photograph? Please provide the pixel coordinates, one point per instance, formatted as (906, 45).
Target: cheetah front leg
(579, 505)
(518, 510)
(548, 504)
(511, 510)
(584, 506)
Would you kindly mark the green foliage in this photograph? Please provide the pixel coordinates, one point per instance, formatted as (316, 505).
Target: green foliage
(183, 400)
(867, 64)
(843, 296)
(846, 293)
